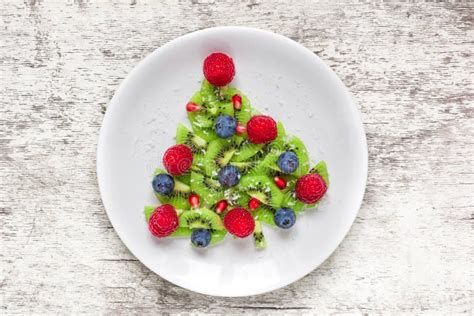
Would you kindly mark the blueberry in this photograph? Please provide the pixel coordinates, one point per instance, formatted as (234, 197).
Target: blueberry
(288, 162)
(201, 237)
(225, 125)
(229, 176)
(285, 217)
(163, 184)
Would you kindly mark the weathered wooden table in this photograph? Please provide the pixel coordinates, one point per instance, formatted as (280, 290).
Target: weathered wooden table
(410, 68)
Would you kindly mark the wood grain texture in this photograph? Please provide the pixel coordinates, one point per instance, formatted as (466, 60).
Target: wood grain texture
(410, 68)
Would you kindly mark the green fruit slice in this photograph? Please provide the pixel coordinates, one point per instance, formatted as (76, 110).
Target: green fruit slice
(263, 189)
(201, 218)
(218, 155)
(182, 232)
(259, 238)
(217, 236)
(265, 214)
(207, 188)
(322, 170)
(246, 151)
(194, 142)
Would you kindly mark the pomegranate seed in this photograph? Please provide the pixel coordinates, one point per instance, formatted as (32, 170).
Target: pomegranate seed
(221, 206)
(254, 204)
(240, 129)
(192, 107)
(194, 200)
(237, 101)
(280, 182)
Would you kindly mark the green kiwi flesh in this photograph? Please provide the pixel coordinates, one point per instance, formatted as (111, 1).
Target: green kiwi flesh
(246, 151)
(218, 155)
(201, 218)
(195, 143)
(259, 238)
(206, 187)
(179, 197)
(262, 188)
(217, 236)
(321, 169)
(265, 214)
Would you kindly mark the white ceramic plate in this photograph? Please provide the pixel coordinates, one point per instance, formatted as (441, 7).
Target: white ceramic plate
(281, 78)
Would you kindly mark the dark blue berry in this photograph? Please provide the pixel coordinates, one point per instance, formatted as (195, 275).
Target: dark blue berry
(225, 125)
(201, 237)
(288, 162)
(163, 184)
(229, 176)
(285, 217)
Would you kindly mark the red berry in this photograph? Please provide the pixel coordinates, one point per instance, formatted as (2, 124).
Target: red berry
(254, 204)
(310, 188)
(194, 200)
(178, 159)
(163, 221)
(261, 129)
(192, 107)
(237, 101)
(239, 222)
(240, 129)
(219, 69)
(280, 182)
(221, 206)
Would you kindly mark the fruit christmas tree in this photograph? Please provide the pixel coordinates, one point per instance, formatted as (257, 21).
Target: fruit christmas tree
(233, 170)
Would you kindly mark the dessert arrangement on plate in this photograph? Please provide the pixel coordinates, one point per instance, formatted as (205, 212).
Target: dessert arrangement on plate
(233, 171)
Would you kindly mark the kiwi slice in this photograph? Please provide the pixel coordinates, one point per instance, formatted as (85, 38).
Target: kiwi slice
(267, 165)
(148, 210)
(199, 119)
(258, 236)
(218, 155)
(179, 197)
(212, 105)
(183, 179)
(243, 114)
(242, 200)
(265, 214)
(244, 166)
(215, 100)
(206, 133)
(217, 236)
(292, 202)
(182, 232)
(246, 151)
(281, 130)
(297, 146)
(322, 170)
(294, 144)
(262, 188)
(197, 144)
(208, 188)
(201, 218)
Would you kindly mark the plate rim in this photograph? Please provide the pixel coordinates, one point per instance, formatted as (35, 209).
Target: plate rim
(289, 41)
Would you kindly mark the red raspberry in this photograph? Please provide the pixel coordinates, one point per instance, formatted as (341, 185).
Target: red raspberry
(178, 159)
(261, 129)
(310, 188)
(163, 221)
(239, 222)
(219, 69)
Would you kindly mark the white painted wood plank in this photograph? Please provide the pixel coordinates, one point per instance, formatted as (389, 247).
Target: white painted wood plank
(410, 68)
